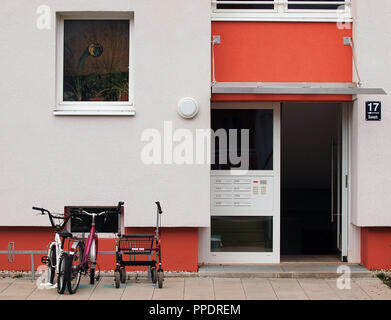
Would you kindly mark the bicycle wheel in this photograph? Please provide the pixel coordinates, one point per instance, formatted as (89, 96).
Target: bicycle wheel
(62, 273)
(74, 269)
(92, 275)
(52, 264)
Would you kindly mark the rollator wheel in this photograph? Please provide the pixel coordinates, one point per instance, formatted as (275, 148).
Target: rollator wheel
(122, 273)
(160, 278)
(153, 275)
(117, 278)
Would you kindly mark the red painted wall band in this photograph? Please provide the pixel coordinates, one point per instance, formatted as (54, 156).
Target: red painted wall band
(179, 247)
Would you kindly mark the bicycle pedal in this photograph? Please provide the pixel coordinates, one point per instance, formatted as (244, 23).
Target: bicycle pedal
(45, 260)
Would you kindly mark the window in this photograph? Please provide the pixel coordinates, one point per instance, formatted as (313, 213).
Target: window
(316, 6)
(94, 65)
(291, 10)
(241, 234)
(259, 122)
(236, 4)
(108, 224)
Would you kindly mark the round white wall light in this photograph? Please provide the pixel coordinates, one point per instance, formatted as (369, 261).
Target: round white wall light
(187, 108)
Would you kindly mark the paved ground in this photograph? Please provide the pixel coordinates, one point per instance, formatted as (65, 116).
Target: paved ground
(205, 289)
(285, 270)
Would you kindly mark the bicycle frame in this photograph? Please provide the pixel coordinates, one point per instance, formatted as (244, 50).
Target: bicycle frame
(92, 243)
(89, 250)
(58, 244)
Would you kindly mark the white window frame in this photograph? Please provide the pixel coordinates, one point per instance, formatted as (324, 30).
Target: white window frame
(92, 107)
(282, 13)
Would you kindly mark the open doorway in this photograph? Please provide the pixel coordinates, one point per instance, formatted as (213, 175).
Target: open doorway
(311, 155)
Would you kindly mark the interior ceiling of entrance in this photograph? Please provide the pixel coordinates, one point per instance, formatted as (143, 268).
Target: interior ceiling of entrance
(307, 132)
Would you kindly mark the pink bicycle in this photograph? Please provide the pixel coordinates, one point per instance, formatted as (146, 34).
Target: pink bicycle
(83, 254)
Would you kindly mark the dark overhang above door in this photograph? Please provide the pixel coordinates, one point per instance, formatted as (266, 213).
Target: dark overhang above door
(312, 88)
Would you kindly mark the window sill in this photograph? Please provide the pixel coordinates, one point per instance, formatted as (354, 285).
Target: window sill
(94, 112)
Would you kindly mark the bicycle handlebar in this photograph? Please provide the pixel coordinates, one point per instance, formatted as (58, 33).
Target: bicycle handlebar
(74, 213)
(80, 211)
(51, 217)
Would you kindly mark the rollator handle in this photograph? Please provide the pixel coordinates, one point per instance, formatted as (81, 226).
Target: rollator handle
(120, 204)
(159, 208)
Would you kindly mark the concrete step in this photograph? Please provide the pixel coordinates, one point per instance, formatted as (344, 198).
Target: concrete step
(285, 270)
(307, 270)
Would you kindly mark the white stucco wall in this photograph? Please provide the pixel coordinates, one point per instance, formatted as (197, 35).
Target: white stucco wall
(54, 161)
(371, 142)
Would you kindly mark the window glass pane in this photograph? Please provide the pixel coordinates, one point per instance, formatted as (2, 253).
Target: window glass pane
(102, 224)
(241, 234)
(260, 126)
(96, 60)
(316, 6)
(245, 6)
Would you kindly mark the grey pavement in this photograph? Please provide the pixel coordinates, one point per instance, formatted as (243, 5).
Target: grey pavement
(205, 288)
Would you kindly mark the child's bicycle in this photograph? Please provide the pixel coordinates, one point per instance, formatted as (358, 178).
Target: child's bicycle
(83, 255)
(57, 259)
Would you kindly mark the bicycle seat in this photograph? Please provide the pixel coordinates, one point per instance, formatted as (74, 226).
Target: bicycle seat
(66, 234)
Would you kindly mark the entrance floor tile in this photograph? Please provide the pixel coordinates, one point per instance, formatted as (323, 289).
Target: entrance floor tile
(5, 283)
(173, 289)
(258, 289)
(229, 289)
(374, 288)
(354, 292)
(140, 290)
(199, 289)
(106, 290)
(83, 292)
(19, 289)
(317, 289)
(288, 289)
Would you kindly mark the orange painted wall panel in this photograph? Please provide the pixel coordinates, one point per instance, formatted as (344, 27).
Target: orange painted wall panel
(179, 247)
(376, 247)
(281, 52)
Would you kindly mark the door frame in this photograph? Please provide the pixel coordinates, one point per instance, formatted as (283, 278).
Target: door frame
(205, 234)
(205, 254)
(345, 173)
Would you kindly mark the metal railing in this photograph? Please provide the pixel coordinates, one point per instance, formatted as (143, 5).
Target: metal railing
(11, 252)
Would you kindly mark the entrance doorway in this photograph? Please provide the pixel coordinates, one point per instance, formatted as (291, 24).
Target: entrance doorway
(292, 202)
(312, 171)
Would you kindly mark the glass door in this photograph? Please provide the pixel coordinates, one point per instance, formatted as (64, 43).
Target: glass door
(245, 184)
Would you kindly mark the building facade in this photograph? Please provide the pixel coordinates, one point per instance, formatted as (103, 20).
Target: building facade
(91, 115)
